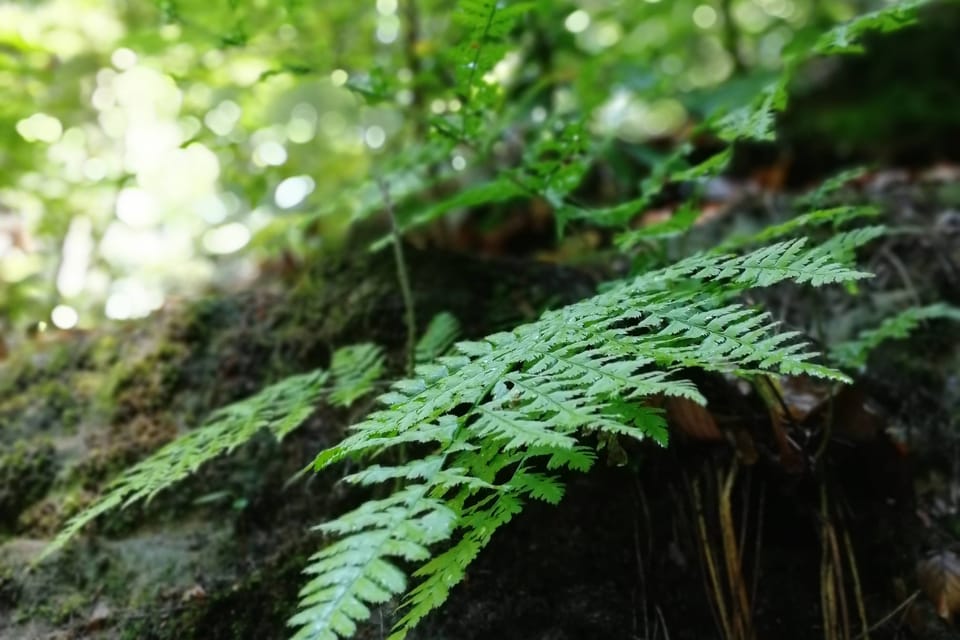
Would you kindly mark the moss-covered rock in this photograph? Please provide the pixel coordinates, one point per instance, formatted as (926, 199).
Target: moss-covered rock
(27, 470)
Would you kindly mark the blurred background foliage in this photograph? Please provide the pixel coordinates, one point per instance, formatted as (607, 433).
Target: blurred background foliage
(150, 149)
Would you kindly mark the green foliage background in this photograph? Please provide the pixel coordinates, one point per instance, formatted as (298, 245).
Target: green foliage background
(185, 117)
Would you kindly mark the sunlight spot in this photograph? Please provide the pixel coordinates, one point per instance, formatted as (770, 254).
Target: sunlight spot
(375, 136)
(64, 316)
(292, 191)
(459, 163)
(94, 169)
(103, 98)
(388, 28)
(131, 298)
(671, 64)
(339, 77)
(136, 207)
(301, 130)
(75, 257)
(228, 238)
(333, 124)
(123, 58)
(386, 7)
(270, 154)
(223, 118)
(600, 36)
(287, 32)
(705, 16)
(577, 22)
(40, 127)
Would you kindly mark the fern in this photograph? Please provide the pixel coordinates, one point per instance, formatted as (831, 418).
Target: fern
(756, 121)
(281, 408)
(355, 369)
(834, 216)
(440, 335)
(509, 407)
(853, 354)
(845, 38)
(487, 24)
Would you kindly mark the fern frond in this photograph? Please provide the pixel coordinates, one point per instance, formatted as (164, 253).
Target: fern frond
(854, 353)
(845, 38)
(834, 216)
(487, 24)
(519, 400)
(788, 260)
(439, 336)
(355, 369)
(281, 408)
(446, 570)
(756, 121)
(829, 187)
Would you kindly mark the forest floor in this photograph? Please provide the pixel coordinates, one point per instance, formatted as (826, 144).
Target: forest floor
(871, 532)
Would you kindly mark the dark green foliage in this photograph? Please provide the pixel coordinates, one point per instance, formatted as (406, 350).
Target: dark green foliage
(853, 353)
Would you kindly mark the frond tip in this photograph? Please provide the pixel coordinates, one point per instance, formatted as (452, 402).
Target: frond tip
(356, 571)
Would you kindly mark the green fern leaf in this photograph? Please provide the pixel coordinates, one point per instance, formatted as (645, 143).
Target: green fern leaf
(845, 38)
(446, 570)
(853, 353)
(440, 335)
(281, 408)
(834, 216)
(355, 369)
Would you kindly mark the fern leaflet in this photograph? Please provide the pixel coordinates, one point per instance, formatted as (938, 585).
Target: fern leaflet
(355, 369)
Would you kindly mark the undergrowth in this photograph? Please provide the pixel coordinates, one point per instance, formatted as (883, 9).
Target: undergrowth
(484, 426)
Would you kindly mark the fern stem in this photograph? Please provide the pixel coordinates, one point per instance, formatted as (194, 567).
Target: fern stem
(403, 275)
(478, 46)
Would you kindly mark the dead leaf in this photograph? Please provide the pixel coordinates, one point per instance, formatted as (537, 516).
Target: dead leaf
(193, 594)
(692, 420)
(99, 617)
(939, 578)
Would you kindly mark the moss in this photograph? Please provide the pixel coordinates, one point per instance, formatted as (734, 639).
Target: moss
(145, 385)
(43, 519)
(9, 588)
(27, 471)
(257, 606)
